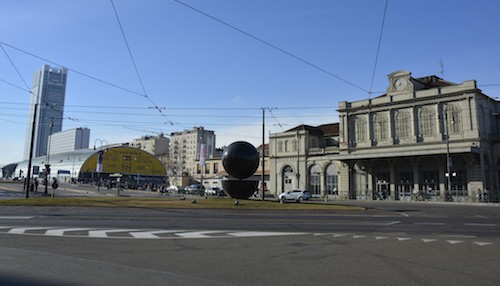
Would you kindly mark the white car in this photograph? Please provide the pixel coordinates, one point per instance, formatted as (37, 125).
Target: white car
(215, 191)
(295, 195)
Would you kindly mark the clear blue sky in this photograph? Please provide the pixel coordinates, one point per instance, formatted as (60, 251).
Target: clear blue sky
(205, 73)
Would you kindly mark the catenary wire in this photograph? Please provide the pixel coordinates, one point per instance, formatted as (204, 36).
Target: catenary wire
(135, 65)
(14, 66)
(378, 48)
(272, 46)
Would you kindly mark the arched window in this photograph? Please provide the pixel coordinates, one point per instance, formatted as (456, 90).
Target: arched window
(332, 179)
(294, 145)
(403, 124)
(454, 118)
(286, 146)
(427, 121)
(380, 127)
(314, 180)
(280, 146)
(287, 178)
(360, 128)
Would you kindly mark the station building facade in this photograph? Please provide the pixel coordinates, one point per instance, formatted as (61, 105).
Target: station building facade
(306, 157)
(425, 139)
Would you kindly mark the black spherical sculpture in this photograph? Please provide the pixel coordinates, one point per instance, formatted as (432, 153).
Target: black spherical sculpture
(240, 160)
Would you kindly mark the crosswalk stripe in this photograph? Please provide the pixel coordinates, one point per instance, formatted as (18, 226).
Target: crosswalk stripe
(21, 230)
(150, 234)
(480, 243)
(60, 232)
(104, 232)
(198, 234)
(454, 241)
(262, 233)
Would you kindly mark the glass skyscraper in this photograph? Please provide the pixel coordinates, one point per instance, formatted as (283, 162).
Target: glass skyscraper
(47, 95)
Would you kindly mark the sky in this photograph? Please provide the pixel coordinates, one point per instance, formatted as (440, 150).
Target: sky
(160, 66)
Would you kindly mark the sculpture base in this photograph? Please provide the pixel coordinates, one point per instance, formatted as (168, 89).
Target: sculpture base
(240, 189)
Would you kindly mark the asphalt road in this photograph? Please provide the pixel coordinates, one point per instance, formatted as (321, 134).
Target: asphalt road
(391, 243)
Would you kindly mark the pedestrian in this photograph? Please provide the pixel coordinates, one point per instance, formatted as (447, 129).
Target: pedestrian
(55, 185)
(36, 185)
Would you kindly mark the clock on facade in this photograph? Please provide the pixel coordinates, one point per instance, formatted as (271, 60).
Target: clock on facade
(399, 84)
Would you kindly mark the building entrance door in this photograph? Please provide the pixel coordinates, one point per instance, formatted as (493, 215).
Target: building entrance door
(287, 179)
(405, 186)
(382, 189)
(429, 186)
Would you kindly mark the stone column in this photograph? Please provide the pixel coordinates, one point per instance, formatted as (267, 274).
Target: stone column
(442, 179)
(416, 178)
(392, 183)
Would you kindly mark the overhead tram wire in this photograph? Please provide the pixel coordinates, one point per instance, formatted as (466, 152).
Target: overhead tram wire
(378, 48)
(71, 69)
(273, 46)
(15, 68)
(135, 66)
(30, 156)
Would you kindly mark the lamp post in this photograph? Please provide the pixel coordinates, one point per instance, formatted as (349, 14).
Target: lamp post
(47, 166)
(100, 158)
(30, 159)
(263, 164)
(448, 158)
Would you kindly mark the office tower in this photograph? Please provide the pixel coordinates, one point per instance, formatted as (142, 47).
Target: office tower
(47, 95)
(69, 140)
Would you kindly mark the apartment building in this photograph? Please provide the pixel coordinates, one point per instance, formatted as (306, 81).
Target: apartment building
(185, 150)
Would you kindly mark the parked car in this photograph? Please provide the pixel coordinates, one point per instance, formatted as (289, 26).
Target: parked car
(195, 189)
(295, 195)
(212, 191)
(215, 191)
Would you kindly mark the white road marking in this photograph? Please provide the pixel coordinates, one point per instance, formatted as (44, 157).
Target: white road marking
(198, 234)
(458, 235)
(104, 232)
(16, 217)
(454, 241)
(21, 230)
(429, 223)
(180, 234)
(61, 231)
(481, 243)
(392, 223)
(481, 224)
(150, 234)
(262, 233)
(340, 234)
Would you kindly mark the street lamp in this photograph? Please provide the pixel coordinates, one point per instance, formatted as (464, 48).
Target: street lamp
(448, 158)
(47, 165)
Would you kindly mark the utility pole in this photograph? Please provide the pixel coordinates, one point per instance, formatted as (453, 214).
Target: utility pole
(262, 178)
(47, 166)
(28, 177)
(448, 158)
